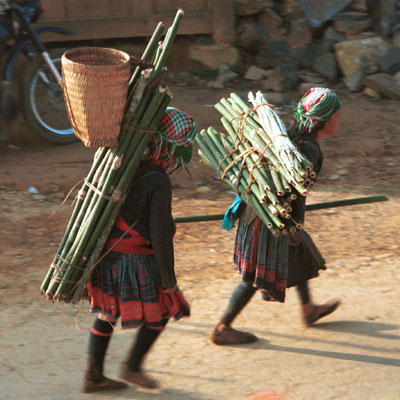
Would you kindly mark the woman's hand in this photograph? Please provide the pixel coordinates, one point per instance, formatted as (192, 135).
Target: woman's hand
(170, 290)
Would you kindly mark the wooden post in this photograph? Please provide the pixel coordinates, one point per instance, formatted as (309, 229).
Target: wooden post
(223, 18)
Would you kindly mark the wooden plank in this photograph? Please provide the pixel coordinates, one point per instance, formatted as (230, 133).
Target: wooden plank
(141, 26)
(54, 10)
(141, 7)
(65, 9)
(104, 19)
(98, 8)
(223, 21)
(165, 6)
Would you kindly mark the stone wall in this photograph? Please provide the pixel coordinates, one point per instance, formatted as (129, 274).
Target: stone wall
(281, 48)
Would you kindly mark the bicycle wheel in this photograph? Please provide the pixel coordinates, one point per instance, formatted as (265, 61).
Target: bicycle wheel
(43, 101)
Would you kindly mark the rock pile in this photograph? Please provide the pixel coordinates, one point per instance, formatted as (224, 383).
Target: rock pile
(283, 46)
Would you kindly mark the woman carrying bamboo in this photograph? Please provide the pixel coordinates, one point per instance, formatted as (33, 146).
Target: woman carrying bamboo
(273, 264)
(136, 281)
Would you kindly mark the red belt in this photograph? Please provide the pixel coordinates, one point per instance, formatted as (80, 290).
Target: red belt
(129, 244)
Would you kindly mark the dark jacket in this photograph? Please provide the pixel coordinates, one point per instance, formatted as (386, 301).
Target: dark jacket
(149, 203)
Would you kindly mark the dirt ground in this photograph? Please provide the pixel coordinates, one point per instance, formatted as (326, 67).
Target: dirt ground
(353, 355)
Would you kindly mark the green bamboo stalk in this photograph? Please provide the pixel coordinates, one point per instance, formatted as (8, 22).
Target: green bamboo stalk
(254, 120)
(224, 107)
(73, 259)
(78, 288)
(91, 233)
(282, 210)
(296, 223)
(243, 148)
(291, 197)
(214, 135)
(260, 173)
(167, 44)
(92, 198)
(213, 162)
(280, 191)
(114, 167)
(78, 204)
(75, 223)
(260, 195)
(264, 213)
(254, 159)
(285, 184)
(274, 218)
(100, 185)
(94, 248)
(137, 96)
(161, 47)
(243, 177)
(216, 155)
(224, 164)
(203, 158)
(215, 148)
(134, 101)
(86, 203)
(148, 53)
(298, 185)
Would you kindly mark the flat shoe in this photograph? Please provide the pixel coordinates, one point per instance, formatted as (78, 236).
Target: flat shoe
(138, 378)
(228, 335)
(106, 384)
(320, 311)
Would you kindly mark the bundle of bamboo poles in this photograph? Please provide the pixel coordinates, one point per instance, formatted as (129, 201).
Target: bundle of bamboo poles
(249, 159)
(101, 196)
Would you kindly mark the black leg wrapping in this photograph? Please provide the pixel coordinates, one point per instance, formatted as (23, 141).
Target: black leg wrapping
(144, 341)
(303, 291)
(239, 298)
(99, 339)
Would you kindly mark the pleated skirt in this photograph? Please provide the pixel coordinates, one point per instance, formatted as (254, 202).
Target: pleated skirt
(262, 259)
(129, 288)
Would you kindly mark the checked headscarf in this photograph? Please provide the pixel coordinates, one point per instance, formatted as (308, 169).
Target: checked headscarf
(317, 104)
(172, 145)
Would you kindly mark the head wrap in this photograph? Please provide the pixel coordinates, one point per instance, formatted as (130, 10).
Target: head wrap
(318, 104)
(172, 145)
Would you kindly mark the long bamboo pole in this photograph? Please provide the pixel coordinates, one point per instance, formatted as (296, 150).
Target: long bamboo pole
(147, 54)
(91, 231)
(309, 207)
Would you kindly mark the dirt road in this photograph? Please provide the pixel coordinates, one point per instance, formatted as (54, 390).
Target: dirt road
(352, 355)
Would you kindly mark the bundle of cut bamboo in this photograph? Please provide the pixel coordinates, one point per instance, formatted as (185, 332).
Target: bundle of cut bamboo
(257, 159)
(99, 201)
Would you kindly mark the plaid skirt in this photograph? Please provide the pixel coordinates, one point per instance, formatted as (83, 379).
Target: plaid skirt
(262, 259)
(130, 288)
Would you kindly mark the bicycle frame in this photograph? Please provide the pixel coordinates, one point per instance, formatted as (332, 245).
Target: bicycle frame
(21, 46)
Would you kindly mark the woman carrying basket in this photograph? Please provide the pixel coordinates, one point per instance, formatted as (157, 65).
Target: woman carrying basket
(273, 264)
(136, 281)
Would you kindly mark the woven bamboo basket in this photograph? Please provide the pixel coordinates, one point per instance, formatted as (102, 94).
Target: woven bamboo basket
(95, 85)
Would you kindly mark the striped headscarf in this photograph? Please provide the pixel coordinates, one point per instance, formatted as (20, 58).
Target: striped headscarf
(172, 145)
(317, 104)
